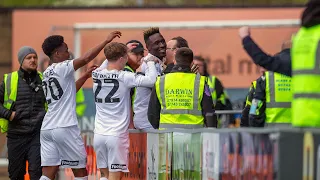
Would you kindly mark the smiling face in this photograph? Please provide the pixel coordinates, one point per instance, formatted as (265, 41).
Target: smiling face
(30, 62)
(157, 45)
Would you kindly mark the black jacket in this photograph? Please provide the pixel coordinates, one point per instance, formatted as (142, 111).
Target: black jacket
(280, 62)
(206, 104)
(168, 69)
(258, 120)
(29, 105)
(246, 109)
(227, 105)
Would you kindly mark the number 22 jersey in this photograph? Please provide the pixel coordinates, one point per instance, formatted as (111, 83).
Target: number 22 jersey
(60, 91)
(111, 89)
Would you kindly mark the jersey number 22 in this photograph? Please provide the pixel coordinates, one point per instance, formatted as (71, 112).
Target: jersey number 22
(108, 98)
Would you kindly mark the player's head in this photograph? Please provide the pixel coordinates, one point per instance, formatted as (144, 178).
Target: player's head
(116, 53)
(172, 46)
(184, 56)
(200, 62)
(55, 47)
(155, 42)
(28, 58)
(135, 55)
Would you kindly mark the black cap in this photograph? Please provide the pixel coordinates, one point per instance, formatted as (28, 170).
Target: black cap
(139, 47)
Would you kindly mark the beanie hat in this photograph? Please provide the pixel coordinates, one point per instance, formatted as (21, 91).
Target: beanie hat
(25, 51)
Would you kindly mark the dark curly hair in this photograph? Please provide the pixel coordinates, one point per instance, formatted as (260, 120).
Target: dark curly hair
(149, 32)
(51, 43)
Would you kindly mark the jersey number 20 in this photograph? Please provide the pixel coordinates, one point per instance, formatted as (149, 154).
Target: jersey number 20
(52, 83)
(108, 98)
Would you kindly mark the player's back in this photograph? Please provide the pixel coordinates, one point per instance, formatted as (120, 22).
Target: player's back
(112, 98)
(60, 91)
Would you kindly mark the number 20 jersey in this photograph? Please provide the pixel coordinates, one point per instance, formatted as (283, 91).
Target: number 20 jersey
(60, 91)
(112, 98)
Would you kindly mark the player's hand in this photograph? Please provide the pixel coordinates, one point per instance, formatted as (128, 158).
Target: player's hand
(132, 46)
(13, 114)
(88, 72)
(139, 69)
(244, 32)
(194, 68)
(113, 35)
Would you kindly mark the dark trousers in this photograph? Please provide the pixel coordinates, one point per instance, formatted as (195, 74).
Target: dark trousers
(20, 150)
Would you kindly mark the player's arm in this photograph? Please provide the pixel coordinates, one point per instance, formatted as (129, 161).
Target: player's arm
(92, 53)
(84, 77)
(134, 80)
(4, 113)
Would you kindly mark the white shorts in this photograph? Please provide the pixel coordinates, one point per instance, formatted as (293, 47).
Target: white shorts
(63, 147)
(112, 152)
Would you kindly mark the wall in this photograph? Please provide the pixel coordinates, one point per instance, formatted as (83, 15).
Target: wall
(233, 66)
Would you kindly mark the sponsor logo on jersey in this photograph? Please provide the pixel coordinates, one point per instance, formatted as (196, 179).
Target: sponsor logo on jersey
(119, 166)
(69, 163)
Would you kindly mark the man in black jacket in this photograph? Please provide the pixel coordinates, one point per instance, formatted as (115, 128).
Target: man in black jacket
(280, 63)
(25, 116)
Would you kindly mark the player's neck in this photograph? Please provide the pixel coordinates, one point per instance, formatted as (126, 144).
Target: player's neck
(114, 66)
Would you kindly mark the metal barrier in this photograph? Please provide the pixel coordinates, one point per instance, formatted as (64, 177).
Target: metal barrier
(208, 154)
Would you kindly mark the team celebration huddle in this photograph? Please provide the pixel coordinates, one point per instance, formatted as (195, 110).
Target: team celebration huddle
(115, 92)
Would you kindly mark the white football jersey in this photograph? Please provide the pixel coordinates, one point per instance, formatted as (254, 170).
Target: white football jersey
(141, 101)
(60, 90)
(111, 89)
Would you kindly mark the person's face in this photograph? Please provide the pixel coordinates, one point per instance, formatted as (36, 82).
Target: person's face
(200, 64)
(62, 53)
(134, 59)
(171, 51)
(30, 62)
(123, 61)
(157, 46)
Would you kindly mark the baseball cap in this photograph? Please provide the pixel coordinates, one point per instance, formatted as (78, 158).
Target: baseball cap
(139, 47)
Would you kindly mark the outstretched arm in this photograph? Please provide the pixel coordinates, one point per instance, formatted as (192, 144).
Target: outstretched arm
(92, 53)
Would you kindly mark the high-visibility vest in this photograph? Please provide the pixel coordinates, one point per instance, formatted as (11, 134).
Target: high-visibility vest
(253, 86)
(305, 54)
(128, 68)
(180, 96)
(80, 103)
(211, 81)
(278, 98)
(10, 95)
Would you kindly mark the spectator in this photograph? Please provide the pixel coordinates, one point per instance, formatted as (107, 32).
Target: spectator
(172, 46)
(219, 96)
(271, 104)
(22, 110)
(280, 62)
(247, 105)
(168, 109)
(305, 68)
